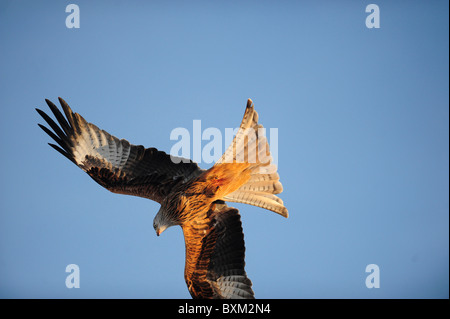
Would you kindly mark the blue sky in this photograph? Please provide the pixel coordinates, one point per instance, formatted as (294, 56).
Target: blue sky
(363, 142)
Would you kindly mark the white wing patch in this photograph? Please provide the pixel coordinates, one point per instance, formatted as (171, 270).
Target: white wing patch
(101, 145)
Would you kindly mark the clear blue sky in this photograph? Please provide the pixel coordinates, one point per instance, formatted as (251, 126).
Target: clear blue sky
(363, 128)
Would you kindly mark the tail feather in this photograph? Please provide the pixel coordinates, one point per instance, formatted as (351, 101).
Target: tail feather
(263, 200)
(272, 187)
(261, 181)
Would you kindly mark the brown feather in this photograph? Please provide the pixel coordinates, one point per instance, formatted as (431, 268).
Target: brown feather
(116, 164)
(215, 253)
(189, 197)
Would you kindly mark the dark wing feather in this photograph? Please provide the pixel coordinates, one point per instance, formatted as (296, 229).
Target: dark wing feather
(115, 164)
(215, 253)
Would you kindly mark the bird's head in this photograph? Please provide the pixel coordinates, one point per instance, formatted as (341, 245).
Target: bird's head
(161, 221)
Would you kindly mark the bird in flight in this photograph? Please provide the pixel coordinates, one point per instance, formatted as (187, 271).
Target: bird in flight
(190, 197)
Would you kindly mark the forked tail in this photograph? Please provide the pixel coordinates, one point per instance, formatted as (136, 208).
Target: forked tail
(245, 172)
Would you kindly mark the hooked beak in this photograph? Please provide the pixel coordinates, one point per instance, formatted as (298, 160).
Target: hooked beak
(160, 230)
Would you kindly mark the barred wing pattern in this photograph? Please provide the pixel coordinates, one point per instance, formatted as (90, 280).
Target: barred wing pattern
(264, 184)
(215, 253)
(116, 164)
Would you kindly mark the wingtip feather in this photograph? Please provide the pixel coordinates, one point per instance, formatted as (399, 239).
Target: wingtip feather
(50, 103)
(62, 102)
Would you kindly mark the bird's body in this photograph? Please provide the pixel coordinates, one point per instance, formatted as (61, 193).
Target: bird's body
(189, 196)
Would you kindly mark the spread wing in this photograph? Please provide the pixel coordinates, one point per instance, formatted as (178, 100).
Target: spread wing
(215, 253)
(116, 164)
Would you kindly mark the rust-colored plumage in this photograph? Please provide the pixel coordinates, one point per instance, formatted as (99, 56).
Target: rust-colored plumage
(189, 196)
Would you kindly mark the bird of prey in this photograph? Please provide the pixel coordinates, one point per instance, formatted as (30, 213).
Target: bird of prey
(190, 197)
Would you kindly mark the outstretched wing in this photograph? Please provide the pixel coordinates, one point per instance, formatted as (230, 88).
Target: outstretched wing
(215, 253)
(116, 164)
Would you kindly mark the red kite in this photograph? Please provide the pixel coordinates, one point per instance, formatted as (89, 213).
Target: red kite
(190, 197)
